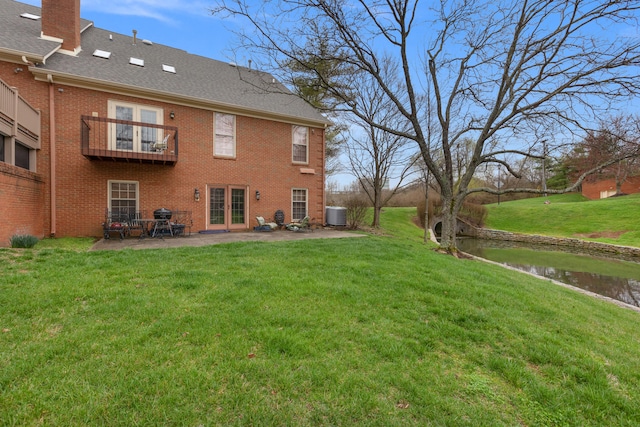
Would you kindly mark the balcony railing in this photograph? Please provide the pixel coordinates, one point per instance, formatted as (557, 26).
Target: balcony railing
(128, 141)
(18, 118)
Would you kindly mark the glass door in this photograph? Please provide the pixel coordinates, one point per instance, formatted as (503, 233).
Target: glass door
(130, 137)
(227, 207)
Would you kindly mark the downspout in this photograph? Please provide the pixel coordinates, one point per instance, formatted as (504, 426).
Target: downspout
(52, 154)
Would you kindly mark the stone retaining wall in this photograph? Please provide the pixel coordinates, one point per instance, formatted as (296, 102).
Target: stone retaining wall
(483, 233)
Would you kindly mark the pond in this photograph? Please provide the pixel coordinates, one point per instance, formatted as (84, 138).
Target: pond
(613, 277)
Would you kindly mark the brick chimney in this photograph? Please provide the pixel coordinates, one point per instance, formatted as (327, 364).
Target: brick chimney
(61, 20)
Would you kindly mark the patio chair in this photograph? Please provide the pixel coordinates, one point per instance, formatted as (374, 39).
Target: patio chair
(278, 218)
(162, 145)
(300, 226)
(135, 223)
(182, 223)
(264, 226)
(114, 223)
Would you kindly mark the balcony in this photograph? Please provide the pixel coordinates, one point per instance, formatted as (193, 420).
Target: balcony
(18, 118)
(126, 141)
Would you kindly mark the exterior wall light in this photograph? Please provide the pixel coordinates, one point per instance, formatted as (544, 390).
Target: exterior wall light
(196, 195)
(257, 195)
(172, 115)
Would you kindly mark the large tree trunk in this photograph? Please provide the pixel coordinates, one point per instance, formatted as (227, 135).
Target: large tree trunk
(449, 225)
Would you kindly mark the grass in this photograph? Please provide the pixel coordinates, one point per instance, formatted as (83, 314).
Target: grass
(613, 220)
(375, 331)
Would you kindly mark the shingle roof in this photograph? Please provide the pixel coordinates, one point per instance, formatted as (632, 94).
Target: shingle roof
(23, 35)
(208, 81)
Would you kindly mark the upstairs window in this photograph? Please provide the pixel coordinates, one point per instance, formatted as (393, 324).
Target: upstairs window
(224, 140)
(300, 144)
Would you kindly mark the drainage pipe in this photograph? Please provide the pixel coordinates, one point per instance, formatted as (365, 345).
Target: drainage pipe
(52, 155)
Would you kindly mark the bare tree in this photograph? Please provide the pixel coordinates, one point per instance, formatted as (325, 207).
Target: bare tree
(377, 157)
(499, 71)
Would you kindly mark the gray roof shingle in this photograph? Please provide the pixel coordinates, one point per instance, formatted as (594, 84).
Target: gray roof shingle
(23, 35)
(209, 82)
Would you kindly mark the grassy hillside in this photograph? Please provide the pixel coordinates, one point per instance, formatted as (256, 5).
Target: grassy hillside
(376, 331)
(613, 220)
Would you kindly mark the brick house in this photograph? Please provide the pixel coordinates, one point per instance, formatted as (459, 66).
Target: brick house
(603, 188)
(92, 120)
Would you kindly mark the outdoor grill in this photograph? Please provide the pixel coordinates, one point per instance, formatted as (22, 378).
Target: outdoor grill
(162, 213)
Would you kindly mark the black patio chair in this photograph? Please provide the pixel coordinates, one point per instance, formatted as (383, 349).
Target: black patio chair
(115, 222)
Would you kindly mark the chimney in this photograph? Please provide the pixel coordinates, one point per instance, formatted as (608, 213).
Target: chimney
(61, 20)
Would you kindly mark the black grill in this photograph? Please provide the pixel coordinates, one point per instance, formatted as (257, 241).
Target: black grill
(162, 213)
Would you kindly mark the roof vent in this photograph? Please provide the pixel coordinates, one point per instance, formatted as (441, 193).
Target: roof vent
(233, 64)
(136, 61)
(169, 68)
(147, 42)
(102, 54)
(30, 16)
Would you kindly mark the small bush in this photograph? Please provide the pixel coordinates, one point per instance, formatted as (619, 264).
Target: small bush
(357, 205)
(23, 241)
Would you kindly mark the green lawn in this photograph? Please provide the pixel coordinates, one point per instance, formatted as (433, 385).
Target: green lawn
(376, 331)
(615, 220)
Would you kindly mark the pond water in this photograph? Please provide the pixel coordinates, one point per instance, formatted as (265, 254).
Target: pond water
(613, 277)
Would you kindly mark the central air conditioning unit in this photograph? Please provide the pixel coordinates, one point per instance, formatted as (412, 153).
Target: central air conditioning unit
(336, 215)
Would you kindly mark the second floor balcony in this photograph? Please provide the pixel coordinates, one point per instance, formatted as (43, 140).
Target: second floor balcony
(18, 118)
(127, 141)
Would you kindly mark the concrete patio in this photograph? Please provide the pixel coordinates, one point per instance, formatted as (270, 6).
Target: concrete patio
(197, 239)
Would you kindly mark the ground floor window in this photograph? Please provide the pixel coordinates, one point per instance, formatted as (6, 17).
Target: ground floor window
(22, 156)
(298, 203)
(18, 154)
(123, 197)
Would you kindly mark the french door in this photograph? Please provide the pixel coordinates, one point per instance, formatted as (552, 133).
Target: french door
(227, 207)
(134, 138)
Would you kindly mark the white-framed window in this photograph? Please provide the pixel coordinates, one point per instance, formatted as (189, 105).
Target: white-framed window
(130, 137)
(299, 201)
(123, 197)
(224, 138)
(300, 144)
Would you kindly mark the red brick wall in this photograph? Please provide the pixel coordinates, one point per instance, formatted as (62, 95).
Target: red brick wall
(24, 194)
(21, 203)
(592, 190)
(263, 162)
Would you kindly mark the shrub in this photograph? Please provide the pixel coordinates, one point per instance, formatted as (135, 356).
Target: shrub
(357, 205)
(23, 241)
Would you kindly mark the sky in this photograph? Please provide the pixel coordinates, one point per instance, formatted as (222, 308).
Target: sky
(183, 24)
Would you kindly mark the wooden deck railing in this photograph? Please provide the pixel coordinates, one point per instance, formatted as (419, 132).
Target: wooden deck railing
(127, 141)
(19, 118)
